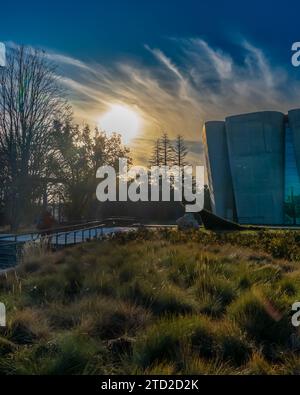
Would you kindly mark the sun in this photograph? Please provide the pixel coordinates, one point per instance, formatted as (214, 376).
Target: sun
(122, 120)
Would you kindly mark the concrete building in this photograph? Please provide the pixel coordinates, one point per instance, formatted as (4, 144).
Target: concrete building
(218, 169)
(294, 124)
(253, 167)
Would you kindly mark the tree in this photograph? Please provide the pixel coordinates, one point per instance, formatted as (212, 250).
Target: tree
(30, 100)
(167, 150)
(180, 152)
(78, 152)
(156, 158)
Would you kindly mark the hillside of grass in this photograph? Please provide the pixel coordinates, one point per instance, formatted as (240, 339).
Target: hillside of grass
(155, 302)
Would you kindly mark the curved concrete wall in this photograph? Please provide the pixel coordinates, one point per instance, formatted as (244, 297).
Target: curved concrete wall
(218, 170)
(294, 124)
(256, 156)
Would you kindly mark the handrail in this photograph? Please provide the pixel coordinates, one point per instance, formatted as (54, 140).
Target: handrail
(49, 230)
(66, 234)
(83, 229)
(55, 235)
(55, 230)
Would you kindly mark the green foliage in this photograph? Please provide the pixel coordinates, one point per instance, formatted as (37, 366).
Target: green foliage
(79, 152)
(169, 339)
(155, 302)
(260, 317)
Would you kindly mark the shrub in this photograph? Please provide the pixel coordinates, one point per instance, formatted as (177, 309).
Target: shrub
(44, 289)
(218, 288)
(68, 354)
(6, 347)
(210, 305)
(101, 282)
(259, 317)
(258, 365)
(64, 316)
(167, 340)
(108, 319)
(159, 369)
(27, 326)
(156, 302)
(73, 355)
(74, 278)
(289, 365)
(288, 287)
(161, 299)
(265, 274)
(173, 300)
(193, 365)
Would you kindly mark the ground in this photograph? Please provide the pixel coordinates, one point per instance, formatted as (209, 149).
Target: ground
(155, 302)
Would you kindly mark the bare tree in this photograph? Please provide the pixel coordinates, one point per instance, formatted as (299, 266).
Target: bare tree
(30, 100)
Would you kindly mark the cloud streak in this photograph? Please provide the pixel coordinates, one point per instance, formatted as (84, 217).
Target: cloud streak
(186, 85)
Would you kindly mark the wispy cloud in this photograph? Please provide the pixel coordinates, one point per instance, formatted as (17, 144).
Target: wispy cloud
(165, 61)
(180, 91)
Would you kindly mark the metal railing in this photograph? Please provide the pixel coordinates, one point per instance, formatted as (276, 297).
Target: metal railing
(11, 250)
(62, 238)
(35, 234)
(11, 245)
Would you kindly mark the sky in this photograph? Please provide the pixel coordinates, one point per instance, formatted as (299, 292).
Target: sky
(173, 63)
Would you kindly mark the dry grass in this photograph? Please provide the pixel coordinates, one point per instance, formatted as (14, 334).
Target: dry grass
(154, 303)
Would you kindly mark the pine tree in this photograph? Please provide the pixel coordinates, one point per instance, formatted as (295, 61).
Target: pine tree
(167, 150)
(156, 158)
(180, 152)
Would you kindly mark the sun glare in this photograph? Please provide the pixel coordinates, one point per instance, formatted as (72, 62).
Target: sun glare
(122, 120)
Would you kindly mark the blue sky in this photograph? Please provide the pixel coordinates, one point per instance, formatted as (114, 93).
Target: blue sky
(175, 62)
(102, 29)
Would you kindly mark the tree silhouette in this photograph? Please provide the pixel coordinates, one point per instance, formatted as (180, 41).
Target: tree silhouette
(78, 154)
(30, 99)
(167, 150)
(180, 152)
(156, 158)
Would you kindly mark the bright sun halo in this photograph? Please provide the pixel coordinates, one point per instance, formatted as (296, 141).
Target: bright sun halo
(122, 120)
